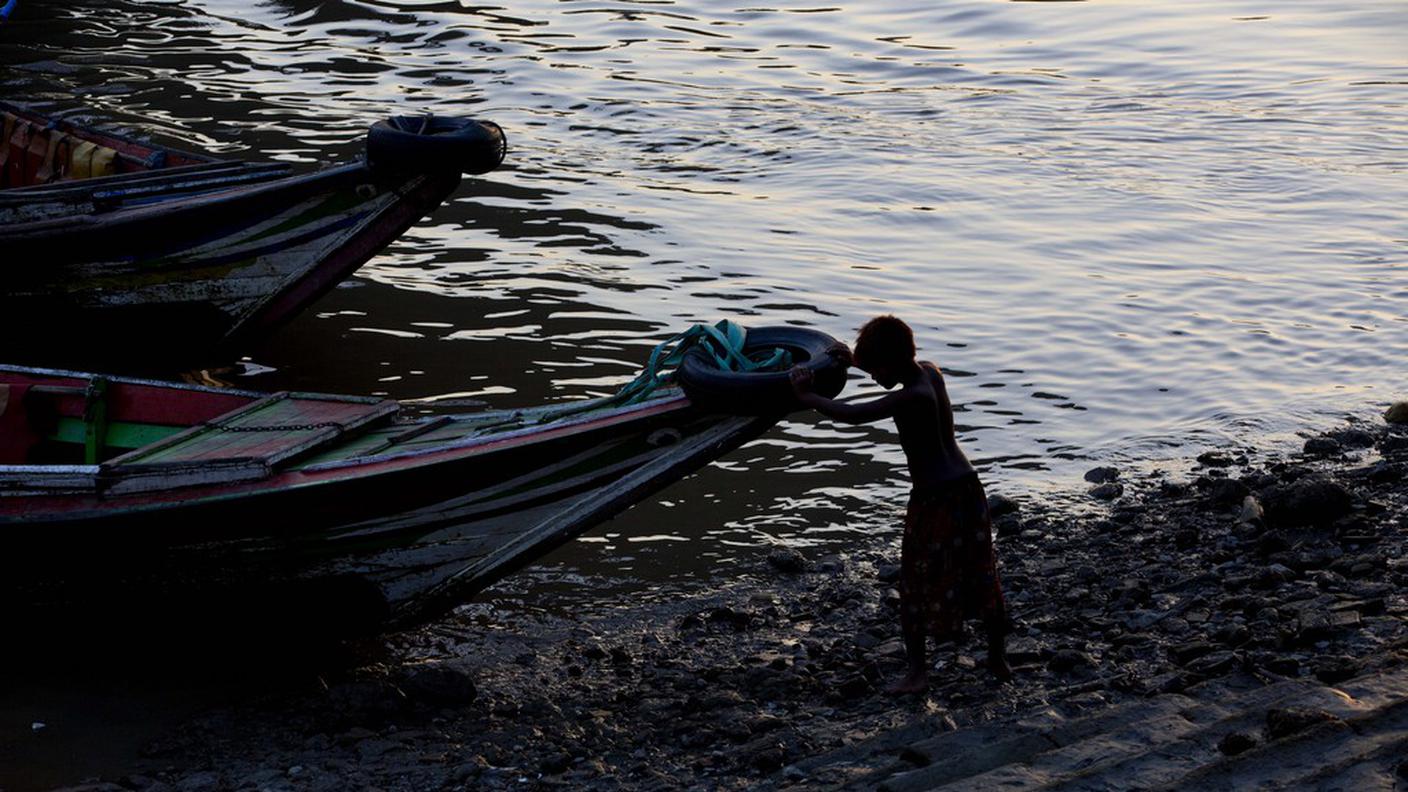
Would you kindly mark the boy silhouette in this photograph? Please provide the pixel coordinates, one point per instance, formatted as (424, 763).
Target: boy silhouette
(948, 569)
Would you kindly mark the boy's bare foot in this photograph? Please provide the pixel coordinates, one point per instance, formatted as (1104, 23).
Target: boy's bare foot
(997, 664)
(913, 682)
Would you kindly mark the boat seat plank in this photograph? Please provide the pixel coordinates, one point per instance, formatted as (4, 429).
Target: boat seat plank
(409, 433)
(271, 430)
(185, 174)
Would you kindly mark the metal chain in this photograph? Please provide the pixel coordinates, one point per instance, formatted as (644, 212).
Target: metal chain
(308, 427)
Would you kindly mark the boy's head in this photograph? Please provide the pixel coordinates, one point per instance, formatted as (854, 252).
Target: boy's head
(884, 348)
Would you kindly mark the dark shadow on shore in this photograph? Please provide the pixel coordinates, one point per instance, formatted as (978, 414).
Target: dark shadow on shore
(87, 692)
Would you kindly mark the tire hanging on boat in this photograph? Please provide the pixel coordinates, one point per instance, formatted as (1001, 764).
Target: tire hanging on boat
(436, 144)
(762, 392)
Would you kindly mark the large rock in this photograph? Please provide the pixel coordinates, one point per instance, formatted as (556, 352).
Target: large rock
(1397, 413)
(1310, 500)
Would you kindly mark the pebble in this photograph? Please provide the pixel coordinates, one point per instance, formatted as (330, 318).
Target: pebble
(1236, 743)
(1333, 669)
(1214, 459)
(439, 685)
(1397, 413)
(1102, 475)
(1001, 506)
(1284, 665)
(203, 781)
(1354, 438)
(1310, 500)
(1107, 491)
(1214, 663)
(1185, 653)
(1227, 493)
(787, 560)
(853, 687)
(1322, 446)
(1285, 721)
(1067, 660)
(1252, 510)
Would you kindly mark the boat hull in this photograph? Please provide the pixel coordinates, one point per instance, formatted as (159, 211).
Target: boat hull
(169, 256)
(193, 277)
(357, 543)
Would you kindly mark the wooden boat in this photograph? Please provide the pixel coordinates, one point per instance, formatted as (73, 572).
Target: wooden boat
(116, 248)
(345, 508)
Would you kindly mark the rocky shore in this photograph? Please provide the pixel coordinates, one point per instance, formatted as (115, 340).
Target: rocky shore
(1256, 567)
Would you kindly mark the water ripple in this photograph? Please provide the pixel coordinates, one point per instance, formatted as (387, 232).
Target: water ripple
(1120, 227)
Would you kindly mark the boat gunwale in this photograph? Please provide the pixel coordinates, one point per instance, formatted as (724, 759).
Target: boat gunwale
(361, 466)
(59, 120)
(39, 469)
(303, 185)
(647, 408)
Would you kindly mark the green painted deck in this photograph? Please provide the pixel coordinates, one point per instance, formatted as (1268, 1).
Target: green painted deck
(271, 430)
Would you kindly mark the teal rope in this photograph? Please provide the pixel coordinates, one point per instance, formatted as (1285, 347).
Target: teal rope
(723, 342)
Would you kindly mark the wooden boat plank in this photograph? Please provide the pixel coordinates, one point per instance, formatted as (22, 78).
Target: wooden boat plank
(603, 502)
(183, 177)
(18, 479)
(385, 442)
(438, 432)
(271, 430)
(181, 437)
(354, 447)
(146, 477)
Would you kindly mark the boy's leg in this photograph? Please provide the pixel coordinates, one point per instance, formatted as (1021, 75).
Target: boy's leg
(996, 624)
(916, 678)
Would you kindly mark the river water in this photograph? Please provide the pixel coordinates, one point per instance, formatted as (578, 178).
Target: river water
(1126, 230)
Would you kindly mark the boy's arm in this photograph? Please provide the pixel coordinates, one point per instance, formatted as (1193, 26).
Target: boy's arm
(853, 412)
(846, 412)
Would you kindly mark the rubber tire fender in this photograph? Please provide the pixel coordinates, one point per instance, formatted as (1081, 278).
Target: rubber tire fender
(762, 392)
(431, 144)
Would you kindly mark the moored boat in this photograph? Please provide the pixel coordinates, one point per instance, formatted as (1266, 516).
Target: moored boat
(117, 248)
(344, 507)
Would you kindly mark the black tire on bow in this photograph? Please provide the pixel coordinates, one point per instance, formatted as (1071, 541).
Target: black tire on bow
(765, 392)
(436, 144)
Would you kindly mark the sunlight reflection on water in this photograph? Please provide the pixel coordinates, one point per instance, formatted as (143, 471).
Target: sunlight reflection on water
(1121, 227)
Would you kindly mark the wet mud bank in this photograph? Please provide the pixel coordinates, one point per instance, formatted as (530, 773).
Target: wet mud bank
(1254, 569)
